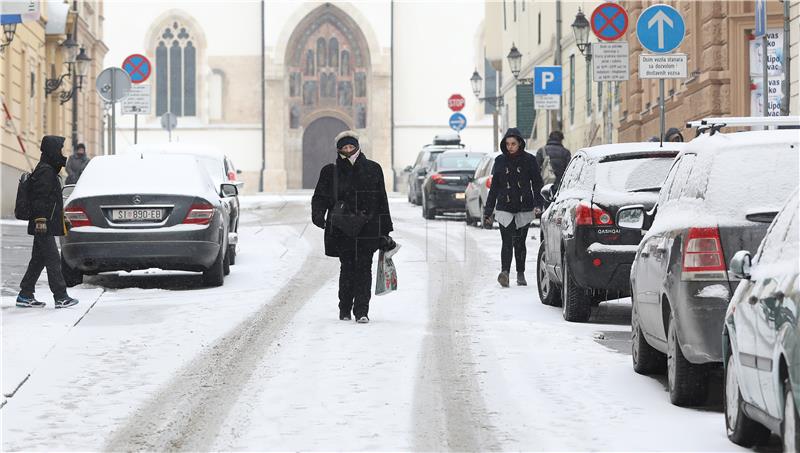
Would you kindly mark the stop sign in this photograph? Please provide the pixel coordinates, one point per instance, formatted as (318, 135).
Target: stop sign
(456, 102)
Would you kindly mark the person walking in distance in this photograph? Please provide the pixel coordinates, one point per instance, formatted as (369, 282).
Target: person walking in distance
(351, 205)
(76, 163)
(515, 191)
(553, 159)
(46, 222)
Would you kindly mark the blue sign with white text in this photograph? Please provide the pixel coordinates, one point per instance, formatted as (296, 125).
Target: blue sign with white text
(547, 80)
(660, 29)
(761, 18)
(458, 121)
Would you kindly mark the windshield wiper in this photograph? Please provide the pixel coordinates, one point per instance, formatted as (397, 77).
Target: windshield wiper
(646, 189)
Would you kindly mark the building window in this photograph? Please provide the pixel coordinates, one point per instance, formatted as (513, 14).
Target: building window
(322, 53)
(176, 71)
(295, 82)
(361, 116)
(333, 53)
(345, 72)
(539, 28)
(515, 10)
(310, 72)
(345, 94)
(309, 92)
(216, 83)
(361, 84)
(572, 89)
(505, 25)
(294, 117)
(490, 86)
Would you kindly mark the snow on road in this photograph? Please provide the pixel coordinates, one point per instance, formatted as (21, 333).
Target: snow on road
(449, 362)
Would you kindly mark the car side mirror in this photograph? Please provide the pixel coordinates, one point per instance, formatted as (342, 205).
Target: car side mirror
(408, 169)
(422, 171)
(631, 217)
(238, 172)
(66, 191)
(547, 193)
(228, 190)
(740, 265)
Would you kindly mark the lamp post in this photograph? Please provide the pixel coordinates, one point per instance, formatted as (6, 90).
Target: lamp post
(8, 33)
(81, 66)
(580, 28)
(477, 81)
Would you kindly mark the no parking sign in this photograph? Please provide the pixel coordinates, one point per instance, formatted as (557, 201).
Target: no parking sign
(138, 67)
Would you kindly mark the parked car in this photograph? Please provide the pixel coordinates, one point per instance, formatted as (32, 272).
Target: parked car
(477, 190)
(443, 189)
(761, 342)
(150, 210)
(221, 169)
(425, 158)
(719, 197)
(584, 257)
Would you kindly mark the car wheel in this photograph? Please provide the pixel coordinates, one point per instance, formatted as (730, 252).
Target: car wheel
(687, 382)
(576, 304)
(72, 276)
(215, 275)
(232, 255)
(429, 214)
(789, 429)
(549, 292)
(646, 359)
(226, 263)
(742, 430)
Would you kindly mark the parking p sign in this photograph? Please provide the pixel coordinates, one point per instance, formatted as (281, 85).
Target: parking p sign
(547, 87)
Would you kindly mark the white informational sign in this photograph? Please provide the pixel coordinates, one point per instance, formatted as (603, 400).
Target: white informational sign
(775, 63)
(138, 100)
(546, 101)
(610, 61)
(669, 66)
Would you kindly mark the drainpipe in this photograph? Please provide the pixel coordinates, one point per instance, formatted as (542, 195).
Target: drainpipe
(263, 106)
(391, 95)
(557, 62)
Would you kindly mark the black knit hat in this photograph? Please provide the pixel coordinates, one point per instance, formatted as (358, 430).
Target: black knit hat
(347, 138)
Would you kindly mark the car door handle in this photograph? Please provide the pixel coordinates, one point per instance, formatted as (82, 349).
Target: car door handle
(644, 253)
(752, 300)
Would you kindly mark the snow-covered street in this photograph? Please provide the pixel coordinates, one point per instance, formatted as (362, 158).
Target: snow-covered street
(451, 361)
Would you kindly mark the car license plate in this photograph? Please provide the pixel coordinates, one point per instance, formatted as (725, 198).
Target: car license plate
(460, 196)
(136, 215)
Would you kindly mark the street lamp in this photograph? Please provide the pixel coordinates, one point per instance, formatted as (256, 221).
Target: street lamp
(497, 101)
(8, 32)
(77, 62)
(580, 28)
(82, 62)
(514, 60)
(70, 49)
(476, 81)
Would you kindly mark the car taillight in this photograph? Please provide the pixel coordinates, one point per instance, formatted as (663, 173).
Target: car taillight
(489, 182)
(702, 255)
(77, 217)
(437, 178)
(231, 175)
(591, 215)
(199, 214)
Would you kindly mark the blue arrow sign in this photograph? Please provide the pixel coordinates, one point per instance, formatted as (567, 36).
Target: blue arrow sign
(547, 80)
(660, 29)
(458, 121)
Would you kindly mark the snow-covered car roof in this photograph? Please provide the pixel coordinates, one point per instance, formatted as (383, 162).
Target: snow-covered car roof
(600, 151)
(756, 140)
(145, 174)
(177, 148)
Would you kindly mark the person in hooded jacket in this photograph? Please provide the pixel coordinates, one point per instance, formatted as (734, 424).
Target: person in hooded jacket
(559, 156)
(46, 222)
(76, 163)
(358, 182)
(515, 199)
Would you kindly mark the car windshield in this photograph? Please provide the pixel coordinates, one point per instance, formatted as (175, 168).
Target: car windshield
(633, 175)
(459, 161)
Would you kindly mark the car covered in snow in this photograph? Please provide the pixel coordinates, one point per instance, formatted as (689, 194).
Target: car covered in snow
(444, 186)
(761, 342)
(477, 190)
(145, 211)
(719, 197)
(425, 159)
(584, 257)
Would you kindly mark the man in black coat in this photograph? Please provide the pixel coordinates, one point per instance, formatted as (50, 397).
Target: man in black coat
(76, 163)
(46, 222)
(515, 192)
(559, 156)
(358, 183)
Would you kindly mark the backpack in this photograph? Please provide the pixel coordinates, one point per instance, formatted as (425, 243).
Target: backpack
(548, 175)
(22, 206)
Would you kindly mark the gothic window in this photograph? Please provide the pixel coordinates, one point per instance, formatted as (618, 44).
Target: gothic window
(310, 72)
(328, 85)
(294, 117)
(361, 84)
(176, 71)
(333, 53)
(309, 92)
(345, 63)
(295, 81)
(361, 116)
(321, 53)
(346, 94)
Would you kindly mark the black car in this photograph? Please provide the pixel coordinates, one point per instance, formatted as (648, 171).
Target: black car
(584, 257)
(444, 187)
(719, 197)
(425, 158)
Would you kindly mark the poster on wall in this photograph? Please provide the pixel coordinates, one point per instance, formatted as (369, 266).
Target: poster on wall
(775, 62)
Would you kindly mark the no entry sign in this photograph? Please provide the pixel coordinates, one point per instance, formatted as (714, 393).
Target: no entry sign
(609, 22)
(138, 67)
(456, 102)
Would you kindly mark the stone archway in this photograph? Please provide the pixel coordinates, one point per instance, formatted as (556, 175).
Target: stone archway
(318, 147)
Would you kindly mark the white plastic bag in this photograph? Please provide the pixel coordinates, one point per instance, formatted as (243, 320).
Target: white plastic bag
(386, 277)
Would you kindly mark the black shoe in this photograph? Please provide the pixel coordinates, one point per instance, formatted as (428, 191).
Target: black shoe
(66, 302)
(521, 279)
(503, 279)
(344, 315)
(362, 320)
(28, 302)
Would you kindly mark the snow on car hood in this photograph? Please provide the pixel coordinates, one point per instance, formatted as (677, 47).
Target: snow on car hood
(145, 174)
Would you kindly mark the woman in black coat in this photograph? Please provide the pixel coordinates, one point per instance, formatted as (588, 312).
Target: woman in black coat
(358, 183)
(515, 192)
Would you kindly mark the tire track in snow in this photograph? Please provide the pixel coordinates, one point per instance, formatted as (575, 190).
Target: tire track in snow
(187, 413)
(449, 411)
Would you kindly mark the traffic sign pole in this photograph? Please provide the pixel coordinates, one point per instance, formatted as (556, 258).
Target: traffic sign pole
(765, 59)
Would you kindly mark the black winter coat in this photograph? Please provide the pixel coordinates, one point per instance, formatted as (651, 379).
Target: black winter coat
(45, 188)
(362, 187)
(516, 181)
(559, 158)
